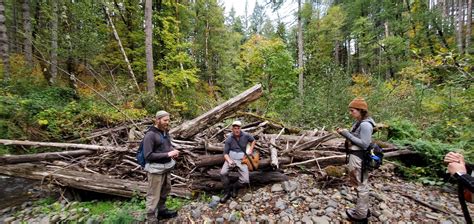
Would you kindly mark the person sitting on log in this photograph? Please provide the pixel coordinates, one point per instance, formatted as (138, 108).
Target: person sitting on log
(357, 140)
(159, 156)
(234, 152)
(463, 173)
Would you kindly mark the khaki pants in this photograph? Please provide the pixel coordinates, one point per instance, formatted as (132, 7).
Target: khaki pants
(159, 185)
(355, 169)
(241, 168)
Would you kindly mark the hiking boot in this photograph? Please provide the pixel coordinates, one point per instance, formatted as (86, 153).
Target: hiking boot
(225, 198)
(235, 189)
(151, 218)
(167, 214)
(357, 220)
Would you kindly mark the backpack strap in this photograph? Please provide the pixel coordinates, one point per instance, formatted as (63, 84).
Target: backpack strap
(352, 130)
(156, 132)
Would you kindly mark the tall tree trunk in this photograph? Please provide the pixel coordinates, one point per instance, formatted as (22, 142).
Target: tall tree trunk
(390, 72)
(117, 37)
(28, 36)
(459, 26)
(468, 26)
(4, 53)
(150, 78)
(336, 52)
(300, 52)
(349, 56)
(206, 53)
(13, 43)
(54, 43)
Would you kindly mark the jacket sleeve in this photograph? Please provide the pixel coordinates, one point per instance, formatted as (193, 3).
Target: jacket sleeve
(365, 135)
(467, 181)
(227, 145)
(469, 168)
(149, 143)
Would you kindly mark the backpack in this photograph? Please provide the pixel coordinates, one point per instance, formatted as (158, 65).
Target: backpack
(141, 153)
(373, 157)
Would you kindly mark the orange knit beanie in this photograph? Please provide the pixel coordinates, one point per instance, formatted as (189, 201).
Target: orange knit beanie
(359, 103)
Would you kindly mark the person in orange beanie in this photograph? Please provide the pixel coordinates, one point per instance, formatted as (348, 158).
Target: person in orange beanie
(358, 139)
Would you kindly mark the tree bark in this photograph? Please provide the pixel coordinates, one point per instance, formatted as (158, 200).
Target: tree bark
(213, 182)
(28, 43)
(13, 43)
(309, 144)
(111, 130)
(468, 27)
(59, 145)
(459, 26)
(192, 127)
(117, 37)
(274, 155)
(54, 43)
(9, 159)
(300, 53)
(150, 78)
(84, 181)
(4, 51)
(340, 159)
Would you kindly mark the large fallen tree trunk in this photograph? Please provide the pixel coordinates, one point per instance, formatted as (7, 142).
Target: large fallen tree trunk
(8, 159)
(82, 180)
(340, 159)
(59, 145)
(192, 127)
(212, 180)
(110, 130)
(307, 157)
(218, 160)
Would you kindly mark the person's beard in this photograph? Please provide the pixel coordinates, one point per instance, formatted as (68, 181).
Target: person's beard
(163, 126)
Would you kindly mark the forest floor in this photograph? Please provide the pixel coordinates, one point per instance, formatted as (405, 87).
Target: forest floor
(302, 199)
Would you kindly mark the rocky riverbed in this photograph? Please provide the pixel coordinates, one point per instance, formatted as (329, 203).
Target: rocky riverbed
(302, 199)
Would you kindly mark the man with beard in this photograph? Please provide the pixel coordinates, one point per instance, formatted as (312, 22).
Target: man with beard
(159, 155)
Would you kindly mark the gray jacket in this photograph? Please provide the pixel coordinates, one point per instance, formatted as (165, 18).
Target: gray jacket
(362, 136)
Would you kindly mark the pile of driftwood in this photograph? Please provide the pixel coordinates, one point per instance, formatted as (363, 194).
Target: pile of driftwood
(108, 165)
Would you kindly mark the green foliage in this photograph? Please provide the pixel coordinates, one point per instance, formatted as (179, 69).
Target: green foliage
(54, 113)
(404, 133)
(102, 211)
(325, 101)
(403, 130)
(176, 204)
(267, 61)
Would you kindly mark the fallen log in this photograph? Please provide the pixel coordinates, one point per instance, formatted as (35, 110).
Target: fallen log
(340, 159)
(274, 154)
(309, 144)
(218, 160)
(294, 138)
(192, 127)
(9, 159)
(82, 180)
(212, 182)
(272, 123)
(110, 130)
(60, 145)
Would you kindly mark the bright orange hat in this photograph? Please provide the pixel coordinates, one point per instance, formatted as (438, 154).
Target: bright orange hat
(359, 103)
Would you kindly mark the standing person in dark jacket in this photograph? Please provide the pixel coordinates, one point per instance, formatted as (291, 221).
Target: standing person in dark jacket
(159, 155)
(359, 139)
(234, 152)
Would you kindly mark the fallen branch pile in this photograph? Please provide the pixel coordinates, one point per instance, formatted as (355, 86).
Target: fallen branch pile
(112, 168)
